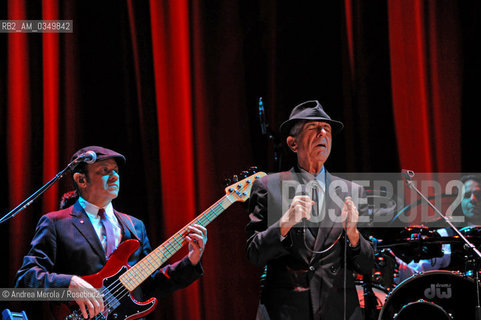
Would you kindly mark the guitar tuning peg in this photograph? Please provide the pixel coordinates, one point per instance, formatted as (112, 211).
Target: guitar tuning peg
(235, 178)
(253, 169)
(227, 182)
(244, 174)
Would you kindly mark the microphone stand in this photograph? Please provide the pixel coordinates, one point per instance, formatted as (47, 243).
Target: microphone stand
(267, 131)
(27, 202)
(408, 175)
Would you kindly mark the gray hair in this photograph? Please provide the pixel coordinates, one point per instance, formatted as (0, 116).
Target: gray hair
(296, 128)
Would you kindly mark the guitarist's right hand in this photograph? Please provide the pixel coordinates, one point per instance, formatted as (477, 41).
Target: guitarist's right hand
(92, 302)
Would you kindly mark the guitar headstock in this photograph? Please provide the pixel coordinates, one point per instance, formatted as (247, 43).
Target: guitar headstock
(241, 190)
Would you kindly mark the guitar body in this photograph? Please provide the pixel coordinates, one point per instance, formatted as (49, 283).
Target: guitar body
(118, 301)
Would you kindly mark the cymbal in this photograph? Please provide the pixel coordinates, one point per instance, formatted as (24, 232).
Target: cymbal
(388, 205)
(427, 241)
(430, 216)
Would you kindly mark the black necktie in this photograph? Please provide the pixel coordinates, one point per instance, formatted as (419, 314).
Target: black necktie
(314, 225)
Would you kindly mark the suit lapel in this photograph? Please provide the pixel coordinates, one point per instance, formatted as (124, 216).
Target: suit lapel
(82, 222)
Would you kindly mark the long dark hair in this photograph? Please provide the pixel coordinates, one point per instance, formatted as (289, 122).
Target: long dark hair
(69, 198)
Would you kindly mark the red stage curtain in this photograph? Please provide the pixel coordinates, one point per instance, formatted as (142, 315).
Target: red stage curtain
(208, 63)
(18, 131)
(348, 8)
(171, 55)
(426, 84)
(196, 115)
(51, 81)
(35, 120)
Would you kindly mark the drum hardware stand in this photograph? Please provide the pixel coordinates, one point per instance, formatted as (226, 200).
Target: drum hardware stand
(475, 264)
(370, 299)
(408, 175)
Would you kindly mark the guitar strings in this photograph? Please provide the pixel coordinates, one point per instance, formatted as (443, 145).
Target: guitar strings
(176, 243)
(212, 208)
(117, 288)
(118, 291)
(203, 219)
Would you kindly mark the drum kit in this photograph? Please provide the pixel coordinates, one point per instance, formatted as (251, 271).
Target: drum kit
(428, 271)
(450, 293)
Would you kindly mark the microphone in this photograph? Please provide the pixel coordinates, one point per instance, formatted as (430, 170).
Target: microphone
(407, 174)
(375, 242)
(87, 157)
(314, 198)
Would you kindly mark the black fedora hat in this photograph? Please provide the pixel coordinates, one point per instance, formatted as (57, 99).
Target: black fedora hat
(102, 154)
(309, 110)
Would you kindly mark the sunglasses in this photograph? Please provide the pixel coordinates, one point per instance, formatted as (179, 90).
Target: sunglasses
(468, 194)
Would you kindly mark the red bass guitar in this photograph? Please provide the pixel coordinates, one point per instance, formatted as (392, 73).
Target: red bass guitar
(117, 280)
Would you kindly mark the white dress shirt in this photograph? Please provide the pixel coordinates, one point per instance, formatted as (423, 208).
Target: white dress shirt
(92, 212)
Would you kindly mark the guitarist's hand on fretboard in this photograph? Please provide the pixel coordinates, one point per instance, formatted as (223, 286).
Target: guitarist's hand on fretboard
(91, 301)
(197, 238)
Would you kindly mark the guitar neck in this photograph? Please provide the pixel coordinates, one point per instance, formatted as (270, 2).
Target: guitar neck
(132, 278)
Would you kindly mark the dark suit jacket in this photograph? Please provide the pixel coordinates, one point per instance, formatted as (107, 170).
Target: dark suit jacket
(65, 244)
(298, 284)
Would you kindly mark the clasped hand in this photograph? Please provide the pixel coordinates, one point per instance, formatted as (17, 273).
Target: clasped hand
(301, 208)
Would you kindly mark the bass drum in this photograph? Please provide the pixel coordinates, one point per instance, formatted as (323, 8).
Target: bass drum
(432, 295)
(422, 310)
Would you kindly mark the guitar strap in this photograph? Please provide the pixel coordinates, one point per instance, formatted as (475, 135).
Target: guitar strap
(125, 223)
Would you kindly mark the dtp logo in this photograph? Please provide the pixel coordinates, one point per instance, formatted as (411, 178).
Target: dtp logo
(439, 290)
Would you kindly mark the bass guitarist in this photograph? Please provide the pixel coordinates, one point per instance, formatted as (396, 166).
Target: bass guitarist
(77, 241)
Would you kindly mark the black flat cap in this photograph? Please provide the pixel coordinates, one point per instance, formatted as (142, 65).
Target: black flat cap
(102, 154)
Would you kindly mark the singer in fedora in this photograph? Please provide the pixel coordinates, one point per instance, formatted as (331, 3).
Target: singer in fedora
(308, 245)
(77, 241)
